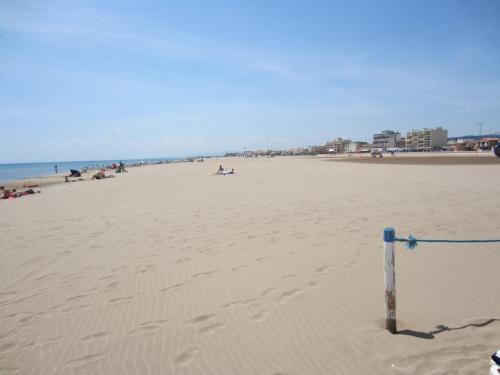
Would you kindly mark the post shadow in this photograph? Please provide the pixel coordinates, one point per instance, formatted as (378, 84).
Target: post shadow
(442, 328)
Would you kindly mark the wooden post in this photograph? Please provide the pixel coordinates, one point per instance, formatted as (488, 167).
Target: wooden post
(389, 280)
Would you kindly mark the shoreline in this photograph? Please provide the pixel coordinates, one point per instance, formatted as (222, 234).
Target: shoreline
(39, 181)
(45, 170)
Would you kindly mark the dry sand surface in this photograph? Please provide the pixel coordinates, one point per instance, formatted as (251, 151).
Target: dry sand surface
(275, 270)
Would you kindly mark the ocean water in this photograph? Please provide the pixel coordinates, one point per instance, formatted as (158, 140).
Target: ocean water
(23, 170)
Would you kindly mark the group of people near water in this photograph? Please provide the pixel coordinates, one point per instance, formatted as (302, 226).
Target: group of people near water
(10, 194)
(222, 171)
(99, 174)
(74, 173)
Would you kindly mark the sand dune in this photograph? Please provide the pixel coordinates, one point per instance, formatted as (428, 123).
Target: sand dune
(275, 270)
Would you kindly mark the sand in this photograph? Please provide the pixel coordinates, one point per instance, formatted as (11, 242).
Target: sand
(275, 270)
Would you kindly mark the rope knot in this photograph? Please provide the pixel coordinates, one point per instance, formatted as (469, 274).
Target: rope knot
(411, 243)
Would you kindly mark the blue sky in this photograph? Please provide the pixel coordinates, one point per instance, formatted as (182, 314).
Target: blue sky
(124, 79)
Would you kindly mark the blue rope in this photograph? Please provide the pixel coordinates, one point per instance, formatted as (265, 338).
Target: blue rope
(411, 241)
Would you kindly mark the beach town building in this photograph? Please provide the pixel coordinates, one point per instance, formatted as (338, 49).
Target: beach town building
(338, 145)
(357, 146)
(387, 139)
(298, 151)
(314, 150)
(488, 143)
(462, 144)
(426, 139)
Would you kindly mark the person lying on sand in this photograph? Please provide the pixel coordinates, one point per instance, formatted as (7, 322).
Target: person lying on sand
(228, 172)
(101, 174)
(7, 194)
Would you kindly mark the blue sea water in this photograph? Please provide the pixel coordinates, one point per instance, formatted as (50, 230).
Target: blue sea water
(23, 170)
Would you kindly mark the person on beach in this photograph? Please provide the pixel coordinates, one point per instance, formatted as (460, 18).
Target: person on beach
(55, 168)
(220, 170)
(4, 194)
(228, 172)
(75, 173)
(99, 175)
(121, 168)
(7, 194)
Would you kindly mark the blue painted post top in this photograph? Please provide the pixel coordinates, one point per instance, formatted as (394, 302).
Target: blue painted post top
(389, 234)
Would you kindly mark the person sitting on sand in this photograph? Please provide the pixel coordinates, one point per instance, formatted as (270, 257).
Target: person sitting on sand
(99, 175)
(220, 170)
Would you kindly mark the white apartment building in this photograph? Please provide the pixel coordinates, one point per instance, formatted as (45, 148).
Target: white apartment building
(386, 139)
(426, 139)
(357, 147)
(338, 146)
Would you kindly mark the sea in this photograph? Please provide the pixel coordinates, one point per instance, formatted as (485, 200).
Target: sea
(17, 171)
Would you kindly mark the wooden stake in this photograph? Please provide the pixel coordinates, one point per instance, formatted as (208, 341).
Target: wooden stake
(389, 280)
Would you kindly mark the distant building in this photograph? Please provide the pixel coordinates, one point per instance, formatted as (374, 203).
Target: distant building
(298, 151)
(387, 139)
(488, 143)
(357, 147)
(338, 146)
(426, 139)
(318, 150)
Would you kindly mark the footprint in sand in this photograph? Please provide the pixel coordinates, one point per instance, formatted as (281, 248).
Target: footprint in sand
(250, 302)
(75, 297)
(151, 325)
(8, 346)
(287, 296)
(260, 316)
(172, 287)
(231, 304)
(323, 269)
(313, 284)
(200, 319)
(120, 299)
(186, 357)
(113, 284)
(240, 267)
(85, 359)
(94, 336)
(204, 274)
(211, 328)
(267, 291)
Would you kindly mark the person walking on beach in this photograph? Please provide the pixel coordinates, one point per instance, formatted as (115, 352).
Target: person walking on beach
(55, 168)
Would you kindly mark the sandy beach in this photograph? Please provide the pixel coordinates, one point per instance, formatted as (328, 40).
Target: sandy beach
(277, 269)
